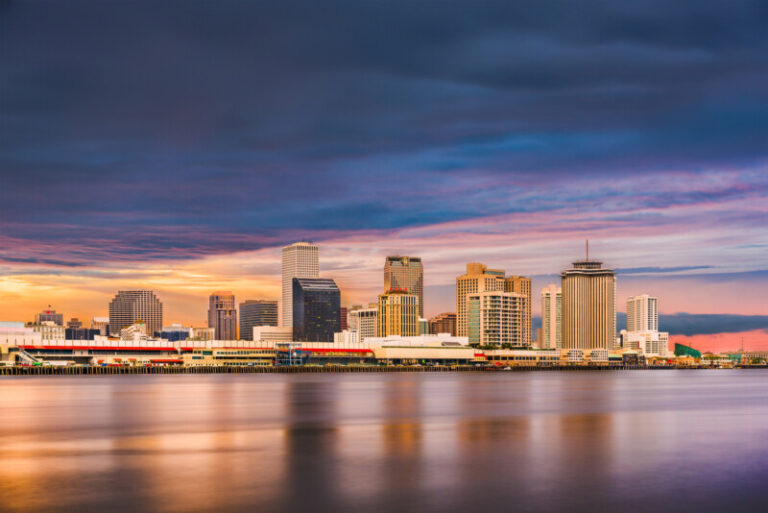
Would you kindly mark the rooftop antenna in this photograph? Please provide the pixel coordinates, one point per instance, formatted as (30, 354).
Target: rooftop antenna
(587, 250)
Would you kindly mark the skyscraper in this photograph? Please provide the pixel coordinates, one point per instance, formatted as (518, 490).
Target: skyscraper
(316, 309)
(222, 316)
(402, 272)
(496, 318)
(642, 313)
(478, 278)
(551, 317)
(522, 285)
(443, 323)
(131, 306)
(398, 313)
(300, 260)
(589, 306)
(256, 312)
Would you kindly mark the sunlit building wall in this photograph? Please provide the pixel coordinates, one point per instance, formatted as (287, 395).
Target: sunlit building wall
(551, 317)
(130, 306)
(496, 318)
(403, 272)
(589, 306)
(300, 260)
(222, 315)
(478, 278)
(398, 314)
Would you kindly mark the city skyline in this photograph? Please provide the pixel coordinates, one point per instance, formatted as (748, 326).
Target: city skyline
(180, 163)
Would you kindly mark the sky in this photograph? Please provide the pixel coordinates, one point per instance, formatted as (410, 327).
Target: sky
(178, 145)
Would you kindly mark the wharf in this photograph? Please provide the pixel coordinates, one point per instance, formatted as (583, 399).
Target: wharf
(299, 369)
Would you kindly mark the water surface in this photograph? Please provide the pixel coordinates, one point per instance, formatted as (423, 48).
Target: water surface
(540, 441)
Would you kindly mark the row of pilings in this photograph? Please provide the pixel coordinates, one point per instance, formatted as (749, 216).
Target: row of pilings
(73, 370)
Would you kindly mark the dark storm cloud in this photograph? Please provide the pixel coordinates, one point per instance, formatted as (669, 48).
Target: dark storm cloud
(235, 122)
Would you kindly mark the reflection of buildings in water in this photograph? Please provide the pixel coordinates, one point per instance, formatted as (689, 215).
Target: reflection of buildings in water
(585, 448)
(209, 459)
(401, 431)
(311, 436)
(401, 434)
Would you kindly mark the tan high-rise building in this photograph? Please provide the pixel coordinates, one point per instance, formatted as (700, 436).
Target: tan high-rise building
(443, 323)
(398, 314)
(478, 278)
(522, 285)
(551, 317)
(402, 272)
(222, 315)
(131, 306)
(589, 306)
(300, 260)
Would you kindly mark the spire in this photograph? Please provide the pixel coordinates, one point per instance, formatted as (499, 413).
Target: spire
(587, 250)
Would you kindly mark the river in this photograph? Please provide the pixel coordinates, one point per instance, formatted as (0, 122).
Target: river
(618, 441)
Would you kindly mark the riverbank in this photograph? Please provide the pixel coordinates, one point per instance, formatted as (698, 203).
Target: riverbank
(126, 370)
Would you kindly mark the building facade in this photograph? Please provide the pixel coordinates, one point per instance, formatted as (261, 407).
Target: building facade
(402, 272)
(256, 312)
(642, 313)
(496, 318)
(101, 324)
(551, 317)
(443, 323)
(300, 260)
(398, 314)
(316, 309)
(364, 321)
(129, 306)
(522, 285)
(222, 315)
(272, 334)
(478, 278)
(589, 306)
(49, 315)
(49, 330)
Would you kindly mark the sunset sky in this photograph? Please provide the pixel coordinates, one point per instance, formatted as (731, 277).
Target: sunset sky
(178, 145)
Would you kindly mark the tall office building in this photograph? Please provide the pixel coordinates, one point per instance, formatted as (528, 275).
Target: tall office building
(256, 312)
(398, 313)
(131, 306)
(222, 315)
(496, 318)
(49, 315)
(642, 313)
(589, 306)
(551, 317)
(300, 260)
(478, 278)
(443, 323)
(316, 309)
(402, 272)
(364, 321)
(522, 285)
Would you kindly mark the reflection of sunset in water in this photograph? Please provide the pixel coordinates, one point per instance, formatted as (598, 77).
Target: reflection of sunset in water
(397, 442)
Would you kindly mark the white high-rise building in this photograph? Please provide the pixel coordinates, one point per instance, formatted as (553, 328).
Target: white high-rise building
(551, 317)
(364, 321)
(642, 313)
(643, 327)
(300, 260)
(496, 318)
